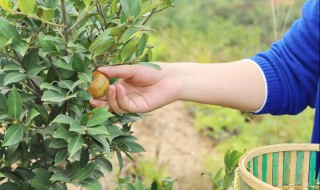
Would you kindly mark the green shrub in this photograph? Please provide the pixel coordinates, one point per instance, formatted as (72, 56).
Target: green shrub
(50, 135)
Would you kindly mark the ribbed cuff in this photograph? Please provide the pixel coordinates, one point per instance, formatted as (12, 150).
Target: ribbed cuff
(273, 84)
(265, 85)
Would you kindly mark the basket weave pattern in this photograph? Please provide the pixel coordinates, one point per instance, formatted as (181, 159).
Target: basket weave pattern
(276, 167)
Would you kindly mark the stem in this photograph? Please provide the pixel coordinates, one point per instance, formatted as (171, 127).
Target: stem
(152, 12)
(81, 18)
(36, 18)
(33, 86)
(10, 57)
(119, 11)
(65, 24)
(102, 14)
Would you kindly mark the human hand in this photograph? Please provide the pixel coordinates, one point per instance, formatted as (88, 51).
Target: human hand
(140, 89)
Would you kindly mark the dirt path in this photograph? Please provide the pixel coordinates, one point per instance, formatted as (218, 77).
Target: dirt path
(172, 143)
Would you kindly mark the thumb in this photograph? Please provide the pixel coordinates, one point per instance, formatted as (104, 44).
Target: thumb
(122, 71)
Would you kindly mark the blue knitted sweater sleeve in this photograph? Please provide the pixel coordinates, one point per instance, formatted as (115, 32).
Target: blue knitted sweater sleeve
(291, 65)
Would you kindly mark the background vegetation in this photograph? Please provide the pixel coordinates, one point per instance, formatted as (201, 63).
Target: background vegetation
(210, 31)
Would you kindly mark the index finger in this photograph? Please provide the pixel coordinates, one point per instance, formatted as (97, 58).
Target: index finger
(121, 71)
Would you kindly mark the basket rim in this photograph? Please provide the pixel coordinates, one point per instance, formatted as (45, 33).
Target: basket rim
(256, 183)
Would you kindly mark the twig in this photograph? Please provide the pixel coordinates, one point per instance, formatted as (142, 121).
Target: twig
(81, 18)
(102, 14)
(10, 57)
(36, 18)
(152, 12)
(65, 23)
(119, 11)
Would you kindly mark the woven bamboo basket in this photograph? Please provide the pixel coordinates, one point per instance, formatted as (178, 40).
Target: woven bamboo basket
(276, 167)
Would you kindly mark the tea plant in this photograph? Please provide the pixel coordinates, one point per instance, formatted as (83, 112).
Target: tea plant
(50, 135)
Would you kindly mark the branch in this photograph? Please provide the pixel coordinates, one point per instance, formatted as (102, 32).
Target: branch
(102, 14)
(36, 18)
(65, 24)
(12, 58)
(81, 18)
(152, 12)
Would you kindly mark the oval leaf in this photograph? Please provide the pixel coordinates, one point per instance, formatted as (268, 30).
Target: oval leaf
(131, 7)
(32, 114)
(13, 135)
(14, 103)
(99, 115)
(75, 145)
(60, 156)
(14, 77)
(85, 172)
(27, 6)
(6, 5)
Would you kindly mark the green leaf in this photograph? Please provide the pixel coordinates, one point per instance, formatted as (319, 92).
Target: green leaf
(101, 46)
(13, 135)
(85, 172)
(75, 145)
(49, 86)
(63, 64)
(151, 65)
(35, 69)
(99, 115)
(39, 184)
(60, 177)
(104, 163)
(114, 132)
(76, 127)
(129, 49)
(32, 114)
(116, 31)
(27, 6)
(60, 156)
(84, 95)
(14, 77)
(46, 44)
(9, 186)
(3, 104)
(62, 133)
(12, 67)
(6, 5)
(43, 174)
(67, 84)
(86, 76)
(52, 96)
(87, 2)
(120, 159)
(47, 13)
(91, 184)
(21, 48)
(84, 157)
(58, 143)
(142, 44)
(135, 147)
(98, 130)
(103, 141)
(138, 184)
(14, 103)
(131, 7)
(7, 32)
(78, 64)
(64, 119)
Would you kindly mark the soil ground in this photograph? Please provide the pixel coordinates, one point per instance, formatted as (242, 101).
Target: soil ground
(172, 143)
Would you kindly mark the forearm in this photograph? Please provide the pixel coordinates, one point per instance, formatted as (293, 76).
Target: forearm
(236, 85)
